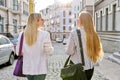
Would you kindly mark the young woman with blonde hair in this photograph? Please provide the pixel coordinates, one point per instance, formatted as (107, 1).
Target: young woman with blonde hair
(35, 43)
(92, 48)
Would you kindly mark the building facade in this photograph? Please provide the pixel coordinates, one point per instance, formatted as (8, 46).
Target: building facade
(24, 12)
(51, 16)
(11, 15)
(60, 19)
(31, 6)
(87, 5)
(107, 17)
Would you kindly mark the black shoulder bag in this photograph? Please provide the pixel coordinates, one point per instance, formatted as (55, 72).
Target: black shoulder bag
(73, 71)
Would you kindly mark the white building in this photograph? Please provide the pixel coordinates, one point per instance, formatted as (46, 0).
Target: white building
(76, 8)
(24, 10)
(87, 5)
(13, 15)
(107, 19)
(60, 19)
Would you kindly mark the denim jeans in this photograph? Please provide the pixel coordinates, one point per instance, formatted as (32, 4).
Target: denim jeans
(36, 77)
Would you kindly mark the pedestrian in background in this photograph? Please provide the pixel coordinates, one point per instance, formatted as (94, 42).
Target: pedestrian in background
(92, 48)
(36, 47)
(24, 27)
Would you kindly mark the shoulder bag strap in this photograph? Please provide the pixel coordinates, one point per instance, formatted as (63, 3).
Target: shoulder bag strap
(81, 50)
(66, 62)
(80, 44)
(21, 44)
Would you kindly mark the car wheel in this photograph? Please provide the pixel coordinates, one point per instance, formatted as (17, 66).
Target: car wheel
(11, 59)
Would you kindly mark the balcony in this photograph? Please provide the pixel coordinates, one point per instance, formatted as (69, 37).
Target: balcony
(15, 10)
(3, 8)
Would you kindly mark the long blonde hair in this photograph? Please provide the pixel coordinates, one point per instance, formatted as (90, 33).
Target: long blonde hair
(31, 29)
(93, 44)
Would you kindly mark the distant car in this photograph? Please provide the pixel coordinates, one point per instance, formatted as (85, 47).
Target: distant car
(59, 40)
(14, 41)
(6, 50)
(65, 40)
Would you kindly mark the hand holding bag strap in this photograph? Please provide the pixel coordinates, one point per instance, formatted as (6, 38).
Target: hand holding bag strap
(81, 50)
(80, 44)
(21, 44)
(67, 61)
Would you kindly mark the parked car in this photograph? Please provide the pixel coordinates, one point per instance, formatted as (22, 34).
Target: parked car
(59, 40)
(65, 40)
(9, 35)
(6, 50)
(13, 39)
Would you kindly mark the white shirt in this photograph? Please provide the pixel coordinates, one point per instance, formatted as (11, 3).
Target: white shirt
(35, 56)
(74, 49)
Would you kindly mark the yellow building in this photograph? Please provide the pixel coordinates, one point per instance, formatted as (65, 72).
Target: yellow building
(31, 6)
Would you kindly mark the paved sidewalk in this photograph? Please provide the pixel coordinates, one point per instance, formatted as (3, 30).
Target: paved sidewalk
(106, 71)
(56, 62)
(109, 69)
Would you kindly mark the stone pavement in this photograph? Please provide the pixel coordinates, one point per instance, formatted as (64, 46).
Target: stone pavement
(55, 63)
(109, 69)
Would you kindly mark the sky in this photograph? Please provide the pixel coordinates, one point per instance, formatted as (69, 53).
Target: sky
(41, 4)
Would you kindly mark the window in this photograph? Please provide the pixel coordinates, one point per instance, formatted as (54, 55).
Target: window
(118, 3)
(15, 25)
(96, 21)
(47, 10)
(25, 9)
(101, 20)
(3, 2)
(83, 3)
(64, 21)
(70, 28)
(64, 28)
(106, 19)
(75, 8)
(70, 20)
(75, 23)
(78, 7)
(70, 13)
(2, 24)
(15, 4)
(64, 13)
(114, 16)
(75, 15)
(4, 41)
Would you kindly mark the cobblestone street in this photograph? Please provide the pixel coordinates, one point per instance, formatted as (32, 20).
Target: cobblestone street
(55, 63)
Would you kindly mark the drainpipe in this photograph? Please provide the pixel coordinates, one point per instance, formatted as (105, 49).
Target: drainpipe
(118, 3)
